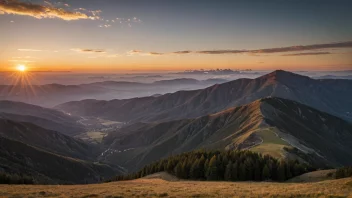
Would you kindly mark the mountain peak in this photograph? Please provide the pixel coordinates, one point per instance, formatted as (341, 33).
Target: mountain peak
(282, 75)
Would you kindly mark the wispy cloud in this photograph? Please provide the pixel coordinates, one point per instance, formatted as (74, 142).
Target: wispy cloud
(308, 54)
(88, 50)
(105, 26)
(122, 22)
(30, 50)
(22, 60)
(298, 48)
(24, 57)
(183, 52)
(41, 11)
(142, 53)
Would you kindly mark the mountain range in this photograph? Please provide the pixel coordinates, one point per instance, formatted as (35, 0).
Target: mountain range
(275, 126)
(53, 94)
(281, 114)
(331, 96)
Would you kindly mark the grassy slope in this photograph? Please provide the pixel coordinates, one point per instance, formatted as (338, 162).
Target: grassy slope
(272, 144)
(315, 176)
(161, 188)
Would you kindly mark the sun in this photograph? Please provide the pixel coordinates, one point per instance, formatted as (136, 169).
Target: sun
(21, 68)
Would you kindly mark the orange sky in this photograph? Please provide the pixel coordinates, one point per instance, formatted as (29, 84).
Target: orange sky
(125, 35)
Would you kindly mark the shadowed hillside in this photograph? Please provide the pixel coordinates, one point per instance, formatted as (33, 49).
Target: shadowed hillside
(46, 139)
(47, 118)
(46, 167)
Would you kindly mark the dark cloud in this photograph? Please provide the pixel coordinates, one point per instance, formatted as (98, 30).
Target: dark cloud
(308, 54)
(156, 53)
(40, 11)
(221, 52)
(183, 52)
(347, 44)
(297, 48)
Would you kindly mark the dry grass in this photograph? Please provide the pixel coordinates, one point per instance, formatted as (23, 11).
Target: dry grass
(161, 188)
(315, 176)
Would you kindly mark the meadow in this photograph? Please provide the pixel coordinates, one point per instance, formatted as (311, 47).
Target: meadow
(156, 187)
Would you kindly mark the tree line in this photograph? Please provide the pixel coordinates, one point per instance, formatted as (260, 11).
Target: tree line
(6, 178)
(344, 172)
(223, 166)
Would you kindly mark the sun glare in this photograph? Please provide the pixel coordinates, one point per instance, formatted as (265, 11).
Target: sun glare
(21, 68)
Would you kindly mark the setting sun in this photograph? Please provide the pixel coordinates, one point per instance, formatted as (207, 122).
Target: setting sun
(21, 68)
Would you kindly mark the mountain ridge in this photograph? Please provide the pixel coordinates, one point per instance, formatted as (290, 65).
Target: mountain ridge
(257, 126)
(195, 103)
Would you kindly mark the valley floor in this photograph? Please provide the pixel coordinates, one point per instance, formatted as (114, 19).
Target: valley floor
(162, 188)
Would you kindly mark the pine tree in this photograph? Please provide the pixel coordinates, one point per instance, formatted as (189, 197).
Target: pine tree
(266, 173)
(206, 168)
(201, 167)
(178, 170)
(288, 171)
(281, 172)
(185, 170)
(195, 172)
(228, 172)
(235, 171)
(212, 170)
(257, 171)
(242, 172)
(170, 166)
(220, 167)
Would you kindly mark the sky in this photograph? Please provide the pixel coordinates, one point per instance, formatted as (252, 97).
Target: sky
(163, 35)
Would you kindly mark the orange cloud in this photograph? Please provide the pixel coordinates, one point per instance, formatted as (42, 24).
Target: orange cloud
(88, 50)
(40, 11)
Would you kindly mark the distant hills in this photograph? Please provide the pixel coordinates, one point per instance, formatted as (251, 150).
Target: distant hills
(325, 95)
(274, 126)
(54, 94)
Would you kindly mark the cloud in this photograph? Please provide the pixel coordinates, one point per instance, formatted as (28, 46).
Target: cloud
(257, 52)
(29, 50)
(347, 44)
(104, 26)
(22, 61)
(308, 54)
(41, 11)
(24, 57)
(182, 52)
(142, 53)
(156, 53)
(221, 52)
(88, 50)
